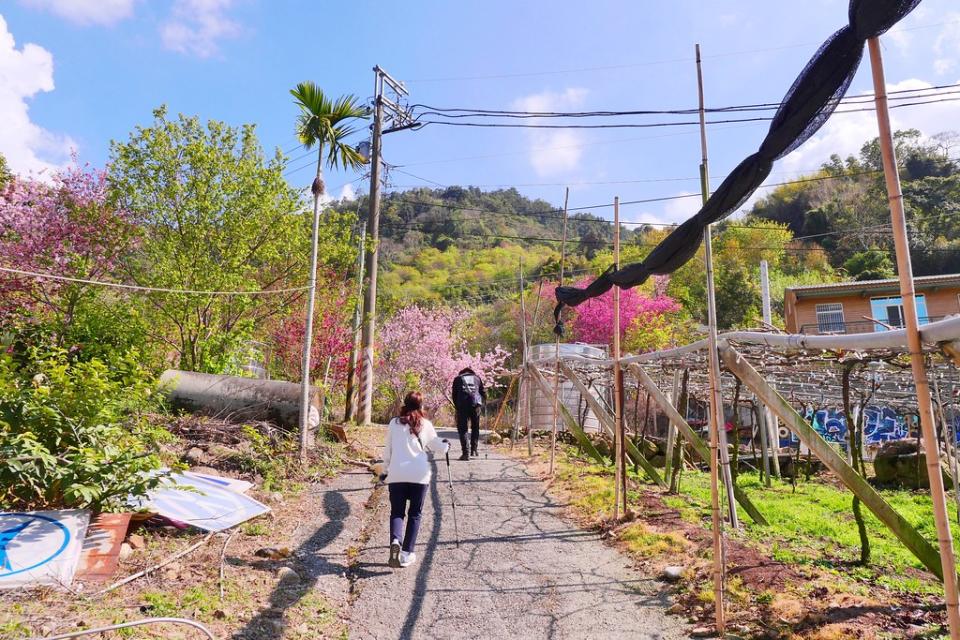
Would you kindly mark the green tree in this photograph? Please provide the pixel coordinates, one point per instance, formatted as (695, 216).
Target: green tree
(872, 264)
(214, 215)
(322, 124)
(5, 174)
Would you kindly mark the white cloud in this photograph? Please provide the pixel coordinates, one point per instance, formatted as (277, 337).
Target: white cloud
(196, 27)
(682, 208)
(23, 74)
(347, 192)
(901, 38)
(845, 133)
(553, 151)
(86, 12)
(947, 44)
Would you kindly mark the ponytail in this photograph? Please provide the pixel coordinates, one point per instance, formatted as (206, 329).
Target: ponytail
(412, 412)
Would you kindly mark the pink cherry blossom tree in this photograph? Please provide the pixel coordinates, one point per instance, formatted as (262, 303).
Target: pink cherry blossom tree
(424, 349)
(332, 336)
(593, 322)
(67, 227)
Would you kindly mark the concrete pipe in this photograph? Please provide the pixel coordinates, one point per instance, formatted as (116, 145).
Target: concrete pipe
(238, 399)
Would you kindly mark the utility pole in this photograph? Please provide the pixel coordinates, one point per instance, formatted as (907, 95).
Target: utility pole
(765, 292)
(398, 117)
(355, 348)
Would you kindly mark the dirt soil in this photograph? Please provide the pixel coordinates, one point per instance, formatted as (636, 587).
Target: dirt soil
(301, 590)
(766, 599)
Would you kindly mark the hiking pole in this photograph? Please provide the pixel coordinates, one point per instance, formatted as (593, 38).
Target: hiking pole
(453, 501)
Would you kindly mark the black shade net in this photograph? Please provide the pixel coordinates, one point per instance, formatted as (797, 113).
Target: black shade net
(808, 104)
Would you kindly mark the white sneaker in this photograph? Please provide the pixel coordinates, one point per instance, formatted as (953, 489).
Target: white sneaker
(395, 554)
(407, 559)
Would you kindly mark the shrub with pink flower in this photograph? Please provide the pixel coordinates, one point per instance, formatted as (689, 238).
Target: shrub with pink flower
(593, 322)
(332, 336)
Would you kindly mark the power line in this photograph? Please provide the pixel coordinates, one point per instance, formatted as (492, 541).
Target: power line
(655, 125)
(649, 63)
(461, 112)
(557, 212)
(133, 287)
(568, 146)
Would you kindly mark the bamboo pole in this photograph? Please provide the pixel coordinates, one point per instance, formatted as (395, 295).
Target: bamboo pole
(672, 427)
(774, 437)
(620, 471)
(695, 440)
(716, 402)
(556, 373)
(609, 424)
(907, 294)
(908, 535)
(951, 428)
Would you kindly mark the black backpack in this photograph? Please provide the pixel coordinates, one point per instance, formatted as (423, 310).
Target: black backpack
(470, 391)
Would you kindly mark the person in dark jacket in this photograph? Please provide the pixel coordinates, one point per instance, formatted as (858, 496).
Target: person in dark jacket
(468, 399)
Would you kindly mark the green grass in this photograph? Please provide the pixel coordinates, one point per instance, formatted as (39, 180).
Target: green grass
(649, 544)
(815, 526)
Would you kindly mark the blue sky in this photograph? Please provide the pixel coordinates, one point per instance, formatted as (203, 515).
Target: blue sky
(75, 74)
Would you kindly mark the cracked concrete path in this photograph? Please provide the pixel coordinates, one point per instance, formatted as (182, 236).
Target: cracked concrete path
(522, 570)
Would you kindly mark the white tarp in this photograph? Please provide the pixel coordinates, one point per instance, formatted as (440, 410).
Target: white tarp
(209, 504)
(40, 547)
(240, 486)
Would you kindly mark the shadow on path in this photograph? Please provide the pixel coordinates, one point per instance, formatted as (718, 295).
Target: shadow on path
(311, 566)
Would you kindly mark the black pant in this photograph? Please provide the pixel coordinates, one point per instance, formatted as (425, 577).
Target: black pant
(400, 494)
(471, 415)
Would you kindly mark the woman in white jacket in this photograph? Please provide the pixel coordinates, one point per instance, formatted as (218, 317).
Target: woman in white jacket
(409, 436)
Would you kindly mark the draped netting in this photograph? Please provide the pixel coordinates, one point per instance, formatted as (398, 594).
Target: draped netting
(806, 107)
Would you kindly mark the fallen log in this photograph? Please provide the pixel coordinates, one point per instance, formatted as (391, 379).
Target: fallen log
(238, 399)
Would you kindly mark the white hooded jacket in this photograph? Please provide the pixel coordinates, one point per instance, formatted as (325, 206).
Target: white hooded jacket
(405, 457)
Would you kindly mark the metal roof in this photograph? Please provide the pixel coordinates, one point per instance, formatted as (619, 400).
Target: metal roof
(893, 284)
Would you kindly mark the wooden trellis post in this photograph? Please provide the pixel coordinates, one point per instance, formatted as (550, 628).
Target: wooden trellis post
(609, 424)
(620, 474)
(556, 379)
(907, 534)
(526, 349)
(695, 440)
(672, 427)
(571, 421)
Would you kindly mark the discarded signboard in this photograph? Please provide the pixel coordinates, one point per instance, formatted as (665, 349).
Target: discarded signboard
(40, 547)
(203, 502)
(240, 486)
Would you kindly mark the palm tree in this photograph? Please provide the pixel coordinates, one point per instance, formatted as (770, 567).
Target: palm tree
(323, 123)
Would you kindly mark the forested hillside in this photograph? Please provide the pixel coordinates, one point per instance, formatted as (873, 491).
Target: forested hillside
(843, 207)
(464, 244)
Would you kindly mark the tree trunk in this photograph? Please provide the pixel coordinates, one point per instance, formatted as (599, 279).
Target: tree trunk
(317, 189)
(852, 443)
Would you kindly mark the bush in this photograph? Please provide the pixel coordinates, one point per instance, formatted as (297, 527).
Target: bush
(71, 432)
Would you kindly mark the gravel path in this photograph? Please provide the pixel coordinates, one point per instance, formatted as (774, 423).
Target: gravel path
(521, 571)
